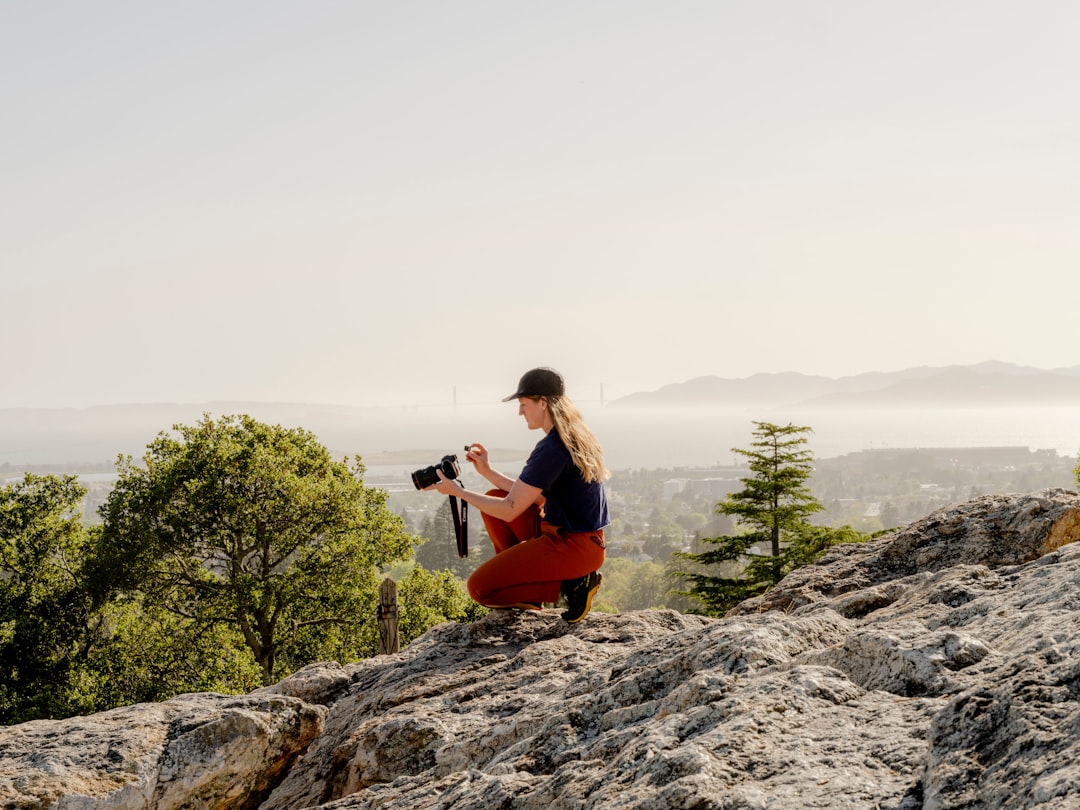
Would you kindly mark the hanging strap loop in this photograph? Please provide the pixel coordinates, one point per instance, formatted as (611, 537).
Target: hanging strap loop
(461, 525)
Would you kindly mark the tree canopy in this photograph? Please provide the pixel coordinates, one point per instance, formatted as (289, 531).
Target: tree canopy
(45, 622)
(234, 522)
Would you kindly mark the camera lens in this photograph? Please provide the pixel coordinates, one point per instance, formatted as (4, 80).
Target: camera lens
(428, 476)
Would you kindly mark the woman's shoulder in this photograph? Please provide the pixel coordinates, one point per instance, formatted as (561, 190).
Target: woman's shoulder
(553, 440)
(549, 446)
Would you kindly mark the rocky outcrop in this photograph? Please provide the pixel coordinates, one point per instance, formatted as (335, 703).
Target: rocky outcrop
(192, 751)
(934, 667)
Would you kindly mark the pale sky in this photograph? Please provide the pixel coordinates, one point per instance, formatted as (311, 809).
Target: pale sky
(392, 202)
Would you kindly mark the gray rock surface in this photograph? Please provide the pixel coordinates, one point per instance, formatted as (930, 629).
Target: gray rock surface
(934, 667)
(200, 750)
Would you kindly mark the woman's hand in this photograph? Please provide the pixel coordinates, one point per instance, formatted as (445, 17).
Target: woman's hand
(447, 486)
(477, 455)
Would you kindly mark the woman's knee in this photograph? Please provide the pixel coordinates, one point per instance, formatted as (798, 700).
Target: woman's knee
(476, 591)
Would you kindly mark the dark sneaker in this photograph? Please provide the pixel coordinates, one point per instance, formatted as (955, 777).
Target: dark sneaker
(579, 596)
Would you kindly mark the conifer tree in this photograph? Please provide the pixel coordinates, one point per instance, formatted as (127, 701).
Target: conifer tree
(773, 534)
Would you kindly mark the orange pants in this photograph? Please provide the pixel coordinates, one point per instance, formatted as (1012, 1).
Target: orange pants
(532, 558)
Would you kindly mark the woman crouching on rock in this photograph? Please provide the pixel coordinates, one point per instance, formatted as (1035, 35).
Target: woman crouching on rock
(547, 525)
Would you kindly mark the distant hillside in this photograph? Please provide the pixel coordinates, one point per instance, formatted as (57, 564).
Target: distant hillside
(990, 383)
(637, 429)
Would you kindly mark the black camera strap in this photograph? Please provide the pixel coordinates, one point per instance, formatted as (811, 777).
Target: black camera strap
(461, 525)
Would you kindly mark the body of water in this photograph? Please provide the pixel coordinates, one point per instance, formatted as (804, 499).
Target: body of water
(700, 437)
(632, 438)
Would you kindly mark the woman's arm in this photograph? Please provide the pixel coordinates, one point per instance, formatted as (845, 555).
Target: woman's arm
(517, 500)
(500, 481)
(477, 455)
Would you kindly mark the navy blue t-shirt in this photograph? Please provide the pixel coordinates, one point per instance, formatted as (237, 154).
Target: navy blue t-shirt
(571, 503)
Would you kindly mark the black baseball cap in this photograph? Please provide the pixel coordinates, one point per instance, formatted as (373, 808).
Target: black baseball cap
(539, 382)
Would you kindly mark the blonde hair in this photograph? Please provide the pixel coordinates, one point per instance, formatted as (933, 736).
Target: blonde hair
(579, 440)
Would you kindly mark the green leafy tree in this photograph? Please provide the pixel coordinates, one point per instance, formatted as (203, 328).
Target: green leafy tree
(46, 624)
(773, 534)
(152, 654)
(632, 586)
(70, 646)
(233, 522)
(427, 598)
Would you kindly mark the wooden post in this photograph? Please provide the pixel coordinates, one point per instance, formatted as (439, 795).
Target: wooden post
(388, 617)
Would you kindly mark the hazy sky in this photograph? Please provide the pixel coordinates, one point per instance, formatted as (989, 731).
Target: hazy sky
(387, 202)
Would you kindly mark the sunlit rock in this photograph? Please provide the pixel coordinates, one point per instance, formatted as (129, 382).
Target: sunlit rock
(934, 667)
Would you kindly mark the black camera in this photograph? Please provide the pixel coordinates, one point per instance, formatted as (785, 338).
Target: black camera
(428, 475)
